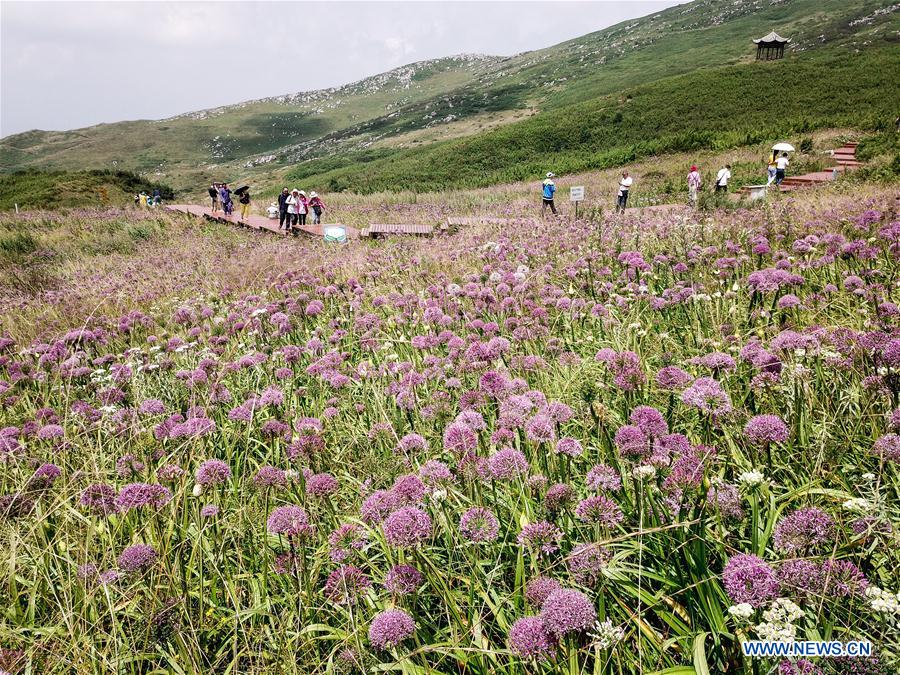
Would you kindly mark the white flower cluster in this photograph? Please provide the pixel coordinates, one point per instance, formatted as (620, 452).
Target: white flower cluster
(605, 634)
(743, 610)
(751, 478)
(644, 471)
(883, 601)
(858, 505)
(778, 624)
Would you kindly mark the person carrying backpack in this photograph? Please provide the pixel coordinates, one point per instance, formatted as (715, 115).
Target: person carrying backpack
(548, 190)
(214, 197)
(244, 199)
(317, 206)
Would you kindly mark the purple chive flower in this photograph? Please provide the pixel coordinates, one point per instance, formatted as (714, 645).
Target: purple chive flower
(479, 525)
(748, 578)
(49, 432)
(139, 495)
(568, 446)
(170, 473)
(403, 580)
(803, 531)
(540, 538)
(269, 477)
(631, 441)
(707, 395)
(433, 473)
(888, 447)
(44, 476)
(649, 420)
(558, 496)
(799, 578)
(389, 628)
(152, 406)
(586, 562)
(321, 485)
(209, 511)
(412, 443)
(764, 429)
(841, 578)
(567, 611)
(459, 438)
(378, 506)
(290, 521)
(539, 589)
(507, 464)
(529, 638)
(600, 510)
(407, 527)
(99, 498)
(540, 429)
(212, 472)
(345, 539)
(603, 477)
(672, 378)
(137, 558)
(409, 489)
(726, 499)
(345, 584)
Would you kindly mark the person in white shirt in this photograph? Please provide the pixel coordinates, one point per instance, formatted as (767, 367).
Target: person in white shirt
(781, 164)
(722, 179)
(622, 196)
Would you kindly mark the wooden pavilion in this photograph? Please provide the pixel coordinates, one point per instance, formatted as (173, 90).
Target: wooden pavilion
(770, 47)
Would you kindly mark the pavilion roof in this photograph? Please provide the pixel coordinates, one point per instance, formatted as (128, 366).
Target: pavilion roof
(772, 37)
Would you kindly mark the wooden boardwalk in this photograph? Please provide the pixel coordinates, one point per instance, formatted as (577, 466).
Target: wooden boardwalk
(255, 222)
(844, 158)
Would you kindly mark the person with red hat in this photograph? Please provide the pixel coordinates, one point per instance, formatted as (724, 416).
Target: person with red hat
(694, 181)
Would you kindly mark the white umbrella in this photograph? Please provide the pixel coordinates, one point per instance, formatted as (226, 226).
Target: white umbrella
(785, 147)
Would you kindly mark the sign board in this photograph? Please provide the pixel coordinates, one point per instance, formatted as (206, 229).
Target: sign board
(576, 194)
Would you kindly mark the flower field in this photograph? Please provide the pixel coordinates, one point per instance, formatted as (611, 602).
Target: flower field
(622, 445)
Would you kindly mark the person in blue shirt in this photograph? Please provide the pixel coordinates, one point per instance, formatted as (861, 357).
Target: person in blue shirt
(548, 190)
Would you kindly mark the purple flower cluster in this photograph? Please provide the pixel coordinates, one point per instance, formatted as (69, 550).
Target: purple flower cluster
(748, 578)
(389, 628)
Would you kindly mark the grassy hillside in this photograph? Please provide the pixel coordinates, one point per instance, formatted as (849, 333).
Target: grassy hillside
(426, 103)
(712, 108)
(33, 189)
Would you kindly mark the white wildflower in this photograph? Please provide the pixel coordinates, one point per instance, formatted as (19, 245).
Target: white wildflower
(751, 478)
(743, 610)
(605, 634)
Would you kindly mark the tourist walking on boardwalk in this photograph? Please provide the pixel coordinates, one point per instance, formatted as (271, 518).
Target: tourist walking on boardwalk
(214, 197)
(225, 198)
(771, 168)
(781, 165)
(317, 206)
(293, 209)
(622, 195)
(283, 209)
(722, 178)
(694, 181)
(302, 209)
(244, 199)
(157, 197)
(548, 191)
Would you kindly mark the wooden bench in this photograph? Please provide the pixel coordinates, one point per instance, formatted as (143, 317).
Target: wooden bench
(376, 230)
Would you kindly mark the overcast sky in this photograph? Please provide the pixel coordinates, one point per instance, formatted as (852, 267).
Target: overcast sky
(65, 65)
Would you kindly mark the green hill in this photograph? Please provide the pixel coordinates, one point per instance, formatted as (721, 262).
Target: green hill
(34, 189)
(464, 104)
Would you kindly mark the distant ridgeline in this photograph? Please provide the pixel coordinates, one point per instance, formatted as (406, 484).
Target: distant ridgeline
(680, 79)
(34, 189)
